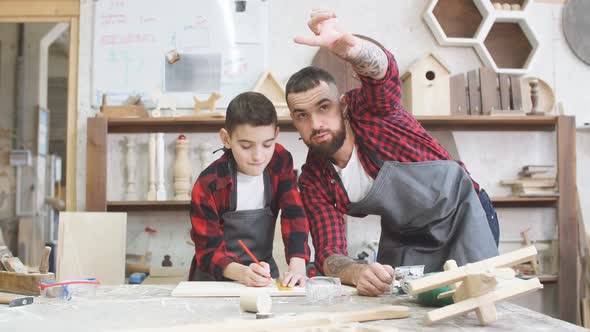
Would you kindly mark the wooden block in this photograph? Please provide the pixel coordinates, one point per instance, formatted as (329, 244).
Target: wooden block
(474, 93)
(489, 90)
(92, 245)
(516, 93)
(44, 264)
(25, 284)
(13, 264)
(505, 91)
(459, 95)
(123, 111)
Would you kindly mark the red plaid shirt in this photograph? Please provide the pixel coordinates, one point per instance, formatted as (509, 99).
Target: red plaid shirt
(381, 125)
(211, 198)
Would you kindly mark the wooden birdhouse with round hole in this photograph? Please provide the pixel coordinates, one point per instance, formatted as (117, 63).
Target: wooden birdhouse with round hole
(426, 89)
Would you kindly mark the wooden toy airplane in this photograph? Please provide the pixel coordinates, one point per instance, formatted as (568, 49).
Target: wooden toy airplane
(478, 286)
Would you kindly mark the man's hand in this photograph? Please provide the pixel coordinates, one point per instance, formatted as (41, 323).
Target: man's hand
(255, 275)
(328, 33)
(368, 59)
(374, 280)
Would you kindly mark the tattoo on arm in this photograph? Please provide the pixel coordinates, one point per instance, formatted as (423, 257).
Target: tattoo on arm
(336, 264)
(369, 61)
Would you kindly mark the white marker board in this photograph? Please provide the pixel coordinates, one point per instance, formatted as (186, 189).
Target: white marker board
(131, 38)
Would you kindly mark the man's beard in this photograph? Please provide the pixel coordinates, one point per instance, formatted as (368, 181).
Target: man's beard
(328, 148)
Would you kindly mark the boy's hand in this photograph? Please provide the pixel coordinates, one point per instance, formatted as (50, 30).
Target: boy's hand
(291, 279)
(256, 276)
(296, 274)
(328, 33)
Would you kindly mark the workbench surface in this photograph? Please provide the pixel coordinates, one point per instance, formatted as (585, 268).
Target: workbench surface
(125, 307)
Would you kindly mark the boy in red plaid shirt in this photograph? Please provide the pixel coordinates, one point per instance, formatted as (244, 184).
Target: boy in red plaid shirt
(238, 197)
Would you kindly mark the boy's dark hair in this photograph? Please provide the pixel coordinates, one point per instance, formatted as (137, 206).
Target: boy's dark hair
(251, 108)
(308, 78)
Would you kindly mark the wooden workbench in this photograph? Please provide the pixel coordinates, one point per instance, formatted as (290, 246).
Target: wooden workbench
(125, 307)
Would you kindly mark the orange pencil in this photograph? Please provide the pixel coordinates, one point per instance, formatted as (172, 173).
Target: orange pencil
(249, 253)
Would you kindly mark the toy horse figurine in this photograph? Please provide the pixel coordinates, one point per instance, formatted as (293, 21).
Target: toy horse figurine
(163, 101)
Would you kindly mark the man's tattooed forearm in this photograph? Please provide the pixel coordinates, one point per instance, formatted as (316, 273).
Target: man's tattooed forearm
(335, 264)
(370, 61)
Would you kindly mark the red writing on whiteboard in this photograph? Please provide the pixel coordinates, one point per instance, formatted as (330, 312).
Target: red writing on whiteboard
(131, 38)
(114, 19)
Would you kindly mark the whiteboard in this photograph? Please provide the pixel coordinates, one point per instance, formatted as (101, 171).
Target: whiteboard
(132, 37)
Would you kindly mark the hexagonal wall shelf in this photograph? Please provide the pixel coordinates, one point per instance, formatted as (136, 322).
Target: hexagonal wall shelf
(509, 45)
(457, 22)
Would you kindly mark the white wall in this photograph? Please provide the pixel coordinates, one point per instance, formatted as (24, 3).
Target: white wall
(398, 25)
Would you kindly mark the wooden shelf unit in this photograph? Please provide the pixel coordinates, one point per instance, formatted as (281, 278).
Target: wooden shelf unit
(567, 284)
(168, 205)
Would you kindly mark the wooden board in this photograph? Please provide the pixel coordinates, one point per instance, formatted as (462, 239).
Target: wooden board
(318, 321)
(25, 284)
(516, 92)
(96, 164)
(489, 90)
(234, 289)
(459, 95)
(92, 245)
(504, 91)
(474, 93)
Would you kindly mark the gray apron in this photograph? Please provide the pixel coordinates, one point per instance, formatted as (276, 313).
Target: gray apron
(429, 213)
(255, 228)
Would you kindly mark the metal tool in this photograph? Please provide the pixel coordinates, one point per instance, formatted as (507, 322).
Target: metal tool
(16, 301)
(403, 274)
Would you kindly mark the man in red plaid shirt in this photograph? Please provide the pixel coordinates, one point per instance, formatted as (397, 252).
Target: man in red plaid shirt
(367, 155)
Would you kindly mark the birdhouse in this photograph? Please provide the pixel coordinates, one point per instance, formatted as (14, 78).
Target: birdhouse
(426, 89)
(270, 87)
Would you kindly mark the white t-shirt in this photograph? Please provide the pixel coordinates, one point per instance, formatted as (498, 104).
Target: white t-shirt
(354, 178)
(250, 192)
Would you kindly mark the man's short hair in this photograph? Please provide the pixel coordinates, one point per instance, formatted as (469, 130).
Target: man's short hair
(307, 79)
(251, 108)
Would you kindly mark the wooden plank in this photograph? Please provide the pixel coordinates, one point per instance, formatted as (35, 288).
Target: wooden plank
(26, 239)
(504, 91)
(566, 213)
(234, 289)
(72, 120)
(517, 287)
(516, 92)
(92, 245)
(489, 90)
(25, 284)
(227, 289)
(474, 93)
(433, 122)
(26, 8)
(458, 95)
(317, 321)
(96, 165)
